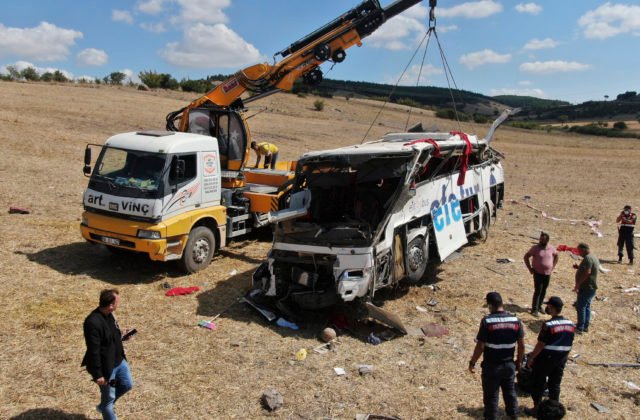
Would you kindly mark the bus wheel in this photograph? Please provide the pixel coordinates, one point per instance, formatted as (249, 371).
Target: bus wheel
(483, 233)
(417, 259)
(199, 250)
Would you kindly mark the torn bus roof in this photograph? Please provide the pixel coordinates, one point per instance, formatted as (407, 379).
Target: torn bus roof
(393, 143)
(398, 143)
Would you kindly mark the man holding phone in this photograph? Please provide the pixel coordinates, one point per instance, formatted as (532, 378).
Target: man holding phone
(105, 359)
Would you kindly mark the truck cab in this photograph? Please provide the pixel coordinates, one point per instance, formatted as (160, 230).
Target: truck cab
(157, 193)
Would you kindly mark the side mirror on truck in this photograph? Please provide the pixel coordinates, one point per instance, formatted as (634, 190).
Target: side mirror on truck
(87, 161)
(177, 168)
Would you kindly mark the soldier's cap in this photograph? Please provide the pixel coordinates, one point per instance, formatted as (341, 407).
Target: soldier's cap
(584, 246)
(627, 207)
(555, 301)
(494, 299)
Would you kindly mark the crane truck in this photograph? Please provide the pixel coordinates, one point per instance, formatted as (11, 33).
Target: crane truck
(181, 194)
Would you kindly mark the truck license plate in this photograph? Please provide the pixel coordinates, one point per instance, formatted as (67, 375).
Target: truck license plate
(110, 241)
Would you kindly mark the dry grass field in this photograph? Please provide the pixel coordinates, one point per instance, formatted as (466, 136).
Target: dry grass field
(633, 126)
(51, 278)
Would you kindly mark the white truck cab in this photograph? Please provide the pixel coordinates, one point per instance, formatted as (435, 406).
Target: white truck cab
(157, 193)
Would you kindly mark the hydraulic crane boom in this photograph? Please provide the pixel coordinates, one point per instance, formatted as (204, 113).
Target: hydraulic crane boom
(300, 59)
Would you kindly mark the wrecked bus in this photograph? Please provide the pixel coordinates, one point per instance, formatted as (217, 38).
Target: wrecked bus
(365, 217)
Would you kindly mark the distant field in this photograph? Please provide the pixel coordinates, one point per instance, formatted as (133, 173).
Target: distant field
(632, 124)
(51, 278)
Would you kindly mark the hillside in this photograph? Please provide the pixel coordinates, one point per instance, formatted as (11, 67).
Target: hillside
(624, 107)
(51, 278)
(529, 102)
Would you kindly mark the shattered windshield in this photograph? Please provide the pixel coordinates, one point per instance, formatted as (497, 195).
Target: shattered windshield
(349, 199)
(129, 168)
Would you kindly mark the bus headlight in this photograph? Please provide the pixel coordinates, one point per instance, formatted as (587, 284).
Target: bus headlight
(148, 234)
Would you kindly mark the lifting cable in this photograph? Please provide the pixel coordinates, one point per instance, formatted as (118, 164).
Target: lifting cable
(445, 64)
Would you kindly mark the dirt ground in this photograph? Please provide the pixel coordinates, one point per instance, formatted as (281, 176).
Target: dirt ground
(51, 277)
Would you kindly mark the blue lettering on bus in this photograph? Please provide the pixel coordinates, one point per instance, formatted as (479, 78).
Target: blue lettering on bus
(447, 214)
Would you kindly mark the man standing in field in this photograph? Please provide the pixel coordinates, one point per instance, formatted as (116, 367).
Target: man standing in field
(550, 354)
(541, 260)
(585, 286)
(105, 359)
(268, 150)
(499, 334)
(627, 222)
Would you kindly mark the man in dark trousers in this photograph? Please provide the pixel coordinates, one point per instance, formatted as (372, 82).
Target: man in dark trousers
(627, 222)
(541, 260)
(499, 335)
(585, 286)
(550, 354)
(105, 359)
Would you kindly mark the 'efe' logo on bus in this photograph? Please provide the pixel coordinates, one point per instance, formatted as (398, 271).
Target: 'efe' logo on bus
(447, 214)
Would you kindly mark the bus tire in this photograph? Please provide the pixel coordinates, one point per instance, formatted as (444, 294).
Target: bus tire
(199, 250)
(485, 216)
(417, 259)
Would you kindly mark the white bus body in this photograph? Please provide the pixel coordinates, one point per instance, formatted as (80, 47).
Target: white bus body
(363, 217)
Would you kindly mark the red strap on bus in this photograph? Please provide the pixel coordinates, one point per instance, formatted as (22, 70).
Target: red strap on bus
(432, 142)
(464, 161)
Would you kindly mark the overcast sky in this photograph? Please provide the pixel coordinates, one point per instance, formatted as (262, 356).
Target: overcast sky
(573, 50)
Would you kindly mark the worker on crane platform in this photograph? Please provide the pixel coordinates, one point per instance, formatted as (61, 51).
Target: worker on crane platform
(269, 151)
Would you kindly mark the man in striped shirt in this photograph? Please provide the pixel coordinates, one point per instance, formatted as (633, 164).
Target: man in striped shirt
(499, 334)
(550, 355)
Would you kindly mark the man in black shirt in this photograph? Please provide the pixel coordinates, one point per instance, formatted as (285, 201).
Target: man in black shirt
(499, 335)
(550, 355)
(105, 359)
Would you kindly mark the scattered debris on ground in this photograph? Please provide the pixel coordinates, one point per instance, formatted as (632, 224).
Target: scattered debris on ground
(178, 291)
(208, 325)
(301, 354)
(599, 407)
(19, 210)
(374, 417)
(434, 330)
(365, 369)
(272, 400)
(631, 385)
(373, 339)
(386, 317)
(281, 322)
(629, 365)
(328, 334)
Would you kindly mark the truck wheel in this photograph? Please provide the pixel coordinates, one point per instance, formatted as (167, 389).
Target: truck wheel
(338, 56)
(417, 259)
(322, 52)
(199, 250)
(313, 78)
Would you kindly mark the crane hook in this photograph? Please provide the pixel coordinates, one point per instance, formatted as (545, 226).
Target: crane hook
(432, 13)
